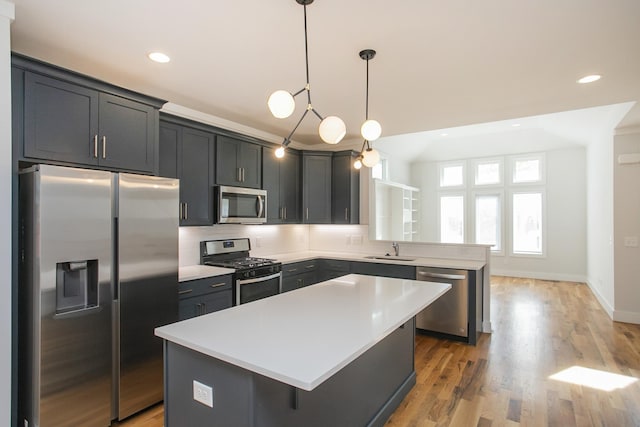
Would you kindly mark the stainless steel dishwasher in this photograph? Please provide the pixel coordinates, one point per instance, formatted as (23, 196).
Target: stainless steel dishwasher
(449, 314)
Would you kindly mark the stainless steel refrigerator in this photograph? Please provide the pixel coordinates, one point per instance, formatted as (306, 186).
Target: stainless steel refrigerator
(99, 271)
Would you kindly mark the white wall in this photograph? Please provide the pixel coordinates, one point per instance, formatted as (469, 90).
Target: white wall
(626, 220)
(600, 221)
(6, 16)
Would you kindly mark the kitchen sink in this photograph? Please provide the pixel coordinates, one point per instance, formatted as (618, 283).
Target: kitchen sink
(390, 258)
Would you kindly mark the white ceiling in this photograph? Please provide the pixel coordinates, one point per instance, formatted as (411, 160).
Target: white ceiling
(440, 64)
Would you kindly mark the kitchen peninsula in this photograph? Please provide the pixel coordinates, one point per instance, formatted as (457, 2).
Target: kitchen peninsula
(340, 352)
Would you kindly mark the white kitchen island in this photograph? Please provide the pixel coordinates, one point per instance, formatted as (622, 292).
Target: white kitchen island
(336, 353)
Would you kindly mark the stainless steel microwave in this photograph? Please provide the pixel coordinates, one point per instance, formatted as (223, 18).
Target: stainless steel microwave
(237, 205)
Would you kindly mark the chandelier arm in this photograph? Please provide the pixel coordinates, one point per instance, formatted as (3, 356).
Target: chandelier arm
(288, 138)
(306, 45)
(299, 92)
(366, 113)
(316, 113)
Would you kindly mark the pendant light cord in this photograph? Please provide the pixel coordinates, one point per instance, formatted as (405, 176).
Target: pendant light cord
(306, 55)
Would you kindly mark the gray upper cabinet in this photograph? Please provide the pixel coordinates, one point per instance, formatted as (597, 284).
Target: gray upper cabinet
(316, 187)
(281, 179)
(238, 163)
(73, 119)
(345, 189)
(187, 154)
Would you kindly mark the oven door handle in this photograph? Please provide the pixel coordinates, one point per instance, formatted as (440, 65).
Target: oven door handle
(260, 206)
(257, 279)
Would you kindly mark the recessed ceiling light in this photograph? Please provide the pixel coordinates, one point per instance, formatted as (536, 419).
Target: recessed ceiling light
(159, 57)
(515, 125)
(590, 79)
(444, 134)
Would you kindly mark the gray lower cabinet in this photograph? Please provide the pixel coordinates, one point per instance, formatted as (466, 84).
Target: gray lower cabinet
(73, 119)
(331, 268)
(384, 270)
(188, 154)
(299, 274)
(202, 296)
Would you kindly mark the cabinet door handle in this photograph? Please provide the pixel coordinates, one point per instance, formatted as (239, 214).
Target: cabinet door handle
(285, 212)
(204, 308)
(186, 291)
(238, 175)
(307, 214)
(95, 146)
(346, 214)
(242, 174)
(104, 146)
(180, 211)
(311, 266)
(281, 213)
(217, 285)
(186, 210)
(198, 309)
(293, 270)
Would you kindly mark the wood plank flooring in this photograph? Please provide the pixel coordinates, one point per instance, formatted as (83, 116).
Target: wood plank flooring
(539, 328)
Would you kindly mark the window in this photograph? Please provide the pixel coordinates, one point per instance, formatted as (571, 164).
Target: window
(380, 170)
(452, 174)
(527, 223)
(452, 219)
(488, 220)
(488, 172)
(527, 169)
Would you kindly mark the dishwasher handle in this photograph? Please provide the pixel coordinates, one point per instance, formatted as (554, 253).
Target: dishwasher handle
(442, 276)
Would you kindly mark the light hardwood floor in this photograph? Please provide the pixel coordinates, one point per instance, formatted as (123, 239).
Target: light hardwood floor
(539, 328)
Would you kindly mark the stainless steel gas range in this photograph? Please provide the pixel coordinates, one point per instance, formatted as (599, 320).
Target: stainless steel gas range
(255, 278)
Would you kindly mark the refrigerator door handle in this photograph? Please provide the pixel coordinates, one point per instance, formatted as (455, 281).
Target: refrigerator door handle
(77, 313)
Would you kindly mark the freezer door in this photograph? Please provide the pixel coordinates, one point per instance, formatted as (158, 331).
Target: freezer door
(65, 297)
(147, 218)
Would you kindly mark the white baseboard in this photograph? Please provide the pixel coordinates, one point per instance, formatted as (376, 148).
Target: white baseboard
(626, 316)
(539, 275)
(603, 302)
(486, 326)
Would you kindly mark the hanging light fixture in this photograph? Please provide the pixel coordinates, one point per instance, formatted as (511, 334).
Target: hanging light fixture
(370, 129)
(282, 104)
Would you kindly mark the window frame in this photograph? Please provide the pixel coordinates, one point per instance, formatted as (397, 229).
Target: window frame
(524, 157)
(543, 212)
(499, 192)
(484, 161)
(465, 225)
(443, 165)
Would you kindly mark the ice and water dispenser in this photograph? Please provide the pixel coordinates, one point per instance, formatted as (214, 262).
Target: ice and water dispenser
(76, 286)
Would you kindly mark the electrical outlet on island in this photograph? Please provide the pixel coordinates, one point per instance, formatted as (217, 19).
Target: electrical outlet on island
(203, 393)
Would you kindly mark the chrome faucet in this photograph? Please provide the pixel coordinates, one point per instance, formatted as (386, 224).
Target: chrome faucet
(396, 248)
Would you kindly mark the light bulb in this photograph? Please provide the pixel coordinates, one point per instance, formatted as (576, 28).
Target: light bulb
(332, 129)
(281, 104)
(370, 157)
(371, 130)
(358, 163)
(280, 152)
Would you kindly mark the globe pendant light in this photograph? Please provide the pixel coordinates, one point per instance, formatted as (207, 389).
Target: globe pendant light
(282, 104)
(370, 129)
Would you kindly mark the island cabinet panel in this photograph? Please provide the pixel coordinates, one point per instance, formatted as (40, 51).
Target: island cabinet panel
(316, 187)
(202, 296)
(238, 163)
(281, 179)
(384, 270)
(345, 189)
(300, 274)
(187, 153)
(73, 119)
(360, 394)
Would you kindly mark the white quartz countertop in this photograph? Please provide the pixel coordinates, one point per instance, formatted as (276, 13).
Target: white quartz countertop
(459, 264)
(303, 337)
(194, 272)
